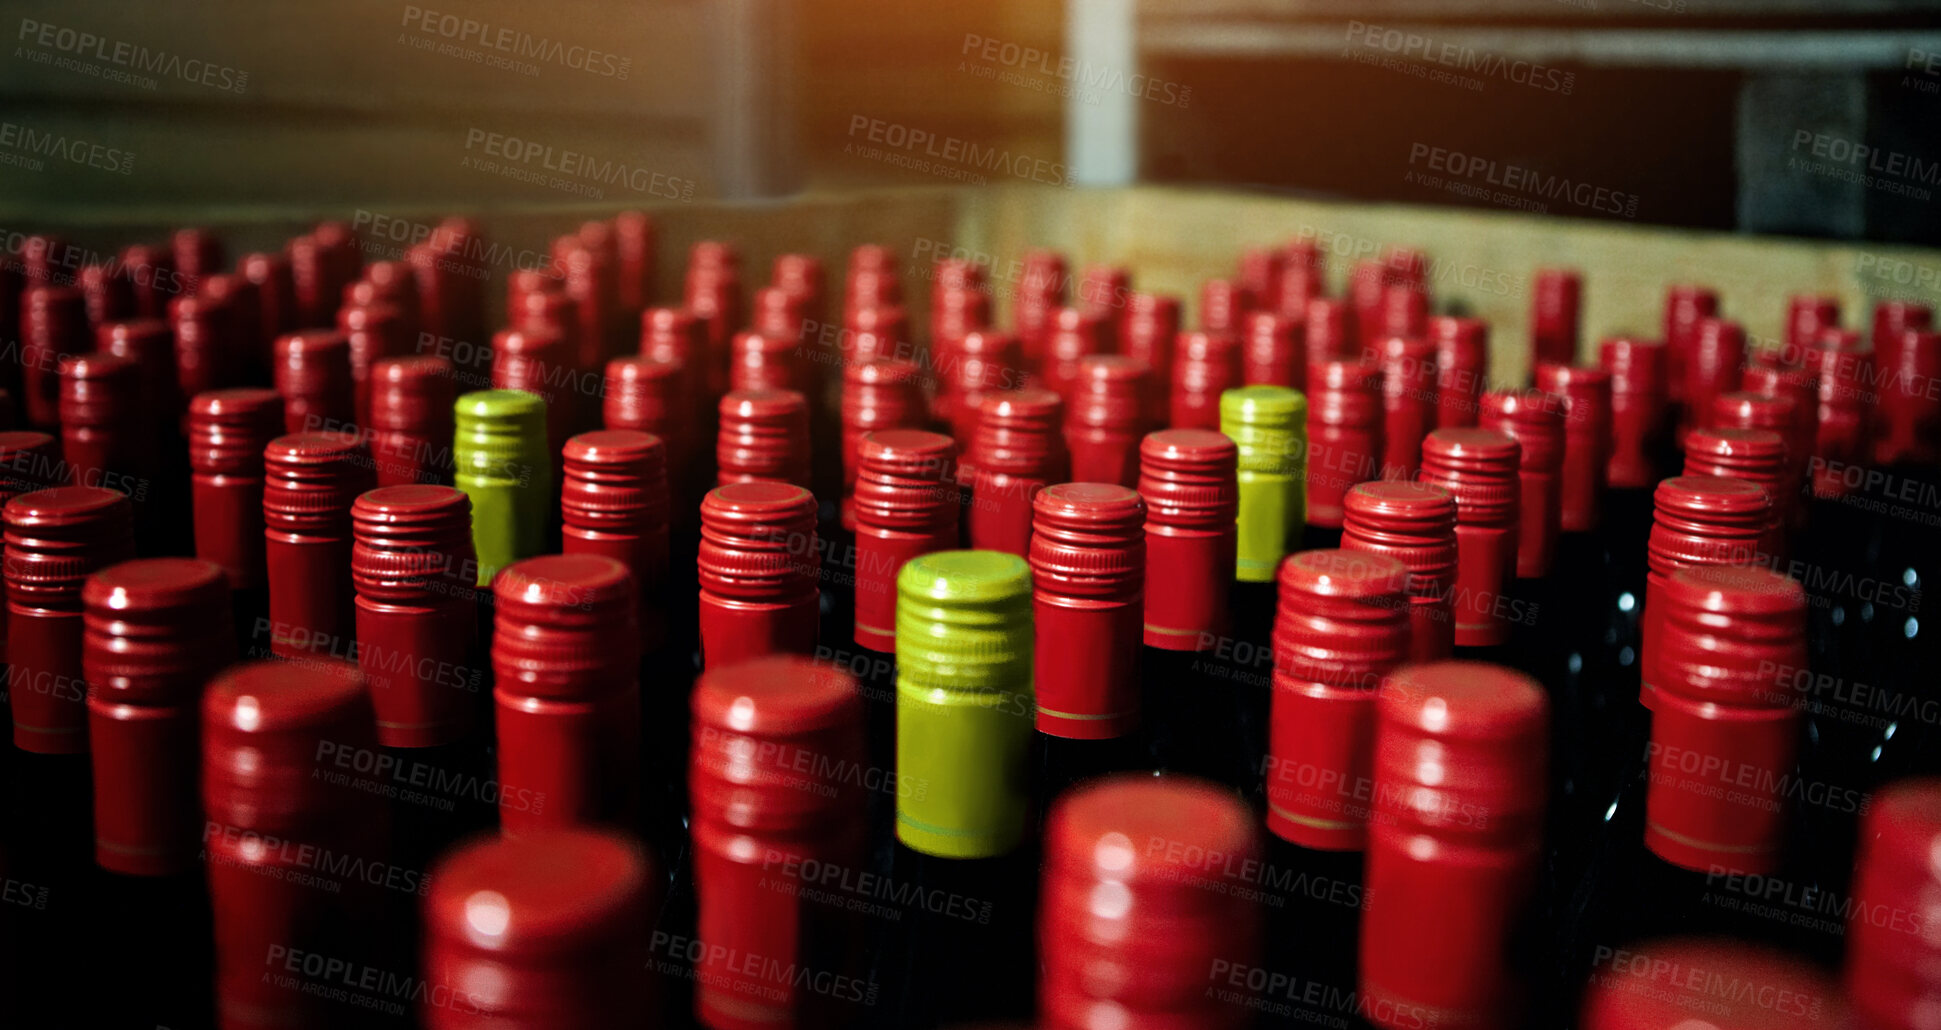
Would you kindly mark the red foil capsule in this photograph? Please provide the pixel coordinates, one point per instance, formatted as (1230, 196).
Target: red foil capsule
(198, 254)
(1106, 419)
(760, 362)
(410, 420)
(1137, 907)
(1074, 335)
(1188, 479)
(228, 430)
(1454, 844)
(779, 313)
(1479, 469)
(1685, 307)
(152, 270)
(313, 376)
(103, 440)
(589, 281)
(1342, 625)
(759, 567)
(713, 293)
(801, 276)
(1462, 368)
(1806, 316)
(1223, 304)
(319, 277)
(276, 294)
(272, 820)
(565, 655)
(1732, 638)
(1016, 452)
(1801, 386)
(310, 480)
(1260, 275)
(675, 336)
(614, 502)
(1367, 281)
(1639, 395)
(206, 343)
(548, 930)
(1747, 410)
(374, 332)
(1205, 365)
(876, 395)
(986, 361)
(1147, 334)
(29, 461)
(1102, 291)
(110, 296)
(54, 539)
(1273, 351)
(150, 344)
(1910, 406)
(636, 243)
(1344, 434)
(53, 328)
(1088, 574)
(1586, 395)
(1409, 401)
(541, 362)
(906, 506)
(1330, 330)
(1893, 965)
(764, 435)
(1303, 278)
(1556, 305)
(776, 800)
(1892, 320)
(646, 395)
(389, 284)
(1405, 312)
(154, 632)
(1535, 420)
(1848, 394)
(1697, 521)
(412, 566)
(1662, 984)
(1715, 359)
(1414, 523)
(876, 333)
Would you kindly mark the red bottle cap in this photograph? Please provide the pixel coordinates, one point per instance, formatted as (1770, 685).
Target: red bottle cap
(1707, 520)
(1806, 316)
(564, 626)
(228, 430)
(1556, 303)
(764, 435)
(1910, 406)
(276, 299)
(1586, 394)
(674, 335)
(1714, 360)
(1409, 401)
(589, 281)
(1188, 479)
(310, 480)
(411, 562)
(1367, 281)
(985, 361)
(906, 505)
(411, 418)
(1151, 325)
(1802, 387)
(1848, 394)
(100, 391)
(1205, 365)
(385, 284)
(154, 631)
(540, 361)
(1344, 433)
(780, 313)
(761, 362)
(411, 545)
(1106, 418)
(1892, 320)
(876, 333)
(313, 375)
(544, 929)
(646, 395)
(1330, 330)
(46, 258)
(1260, 275)
(1749, 410)
(53, 327)
(1724, 721)
(110, 296)
(206, 342)
(1223, 303)
(1663, 985)
(198, 253)
(876, 395)
(1405, 311)
(56, 537)
(1074, 334)
(1341, 626)
(1414, 523)
(1018, 435)
(374, 332)
(614, 501)
(1462, 368)
(759, 565)
(1273, 350)
(1461, 750)
(150, 344)
(1639, 392)
(775, 743)
(1102, 290)
(1479, 469)
(1302, 278)
(1755, 455)
(802, 275)
(1892, 970)
(1088, 572)
(1685, 307)
(954, 313)
(1145, 890)
(29, 461)
(150, 268)
(319, 280)
(1535, 420)
(263, 726)
(636, 241)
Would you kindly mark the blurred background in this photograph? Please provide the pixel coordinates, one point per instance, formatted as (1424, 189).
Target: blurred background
(1811, 118)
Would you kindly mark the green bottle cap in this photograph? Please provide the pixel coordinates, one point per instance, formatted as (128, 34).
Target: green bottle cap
(1268, 425)
(503, 465)
(964, 704)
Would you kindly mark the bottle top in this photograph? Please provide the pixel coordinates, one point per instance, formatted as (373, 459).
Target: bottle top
(411, 544)
(1415, 522)
(615, 471)
(263, 725)
(1088, 540)
(1110, 391)
(155, 629)
(1806, 315)
(1731, 635)
(1187, 478)
(1479, 469)
(1343, 618)
(775, 742)
(413, 394)
(1743, 409)
(564, 626)
(1707, 520)
(557, 898)
(1017, 434)
(1461, 750)
(1663, 984)
(1223, 303)
(100, 390)
(764, 434)
(310, 479)
(1535, 420)
(56, 537)
(28, 462)
(906, 479)
(1636, 366)
(1347, 393)
(963, 621)
(1151, 837)
(312, 361)
(758, 541)
(1330, 329)
(671, 334)
(228, 430)
(1756, 455)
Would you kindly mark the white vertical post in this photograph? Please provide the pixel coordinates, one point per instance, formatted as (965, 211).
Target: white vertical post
(1102, 135)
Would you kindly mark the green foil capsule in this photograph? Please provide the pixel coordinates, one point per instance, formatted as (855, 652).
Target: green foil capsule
(964, 703)
(1268, 424)
(504, 467)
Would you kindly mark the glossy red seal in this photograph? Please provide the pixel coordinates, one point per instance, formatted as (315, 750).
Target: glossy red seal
(1725, 722)
(29, 461)
(541, 362)
(1743, 409)
(313, 375)
(412, 565)
(153, 633)
(276, 294)
(1685, 307)
(1368, 280)
(1893, 966)
(780, 313)
(104, 441)
(1848, 395)
(776, 785)
(1151, 326)
(1342, 625)
(614, 501)
(1224, 303)
(1088, 571)
(53, 328)
(1892, 320)
(55, 538)
(878, 332)
(1345, 411)
(876, 395)
(589, 280)
(207, 343)
(1800, 386)
(1462, 368)
(1909, 415)
(1410, 398)
(1042, 289)
(1478, 467)
(762, 362)
(760, 567)
(906, 506)
(374, 332)
(1586, 395)
(309, 482)
(150, 344)
(1205, 365)
(802, 275)
(547, 930)
(636, 245)
(1535, 420)
(1189, 481)
(1806, 315)
(1414, 523)
(228, 430)
(714, 294)
(764, 435)
(410, 419)
(1454, 843)
(1329, 329)
(1074, 334)
(151, 268)
(1714, 362)
(1640, 398)
(110, 296)
(1016, 451)
(1404, 312)
(1102, 291)
(1106, 418)
(985, 361)
(1663, 984)
(1556, 303)
(1273, 350)
(647, 395)
(1697, 521)
(319, 274)
(1147, 887)
(565, 656)
(198, 252)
